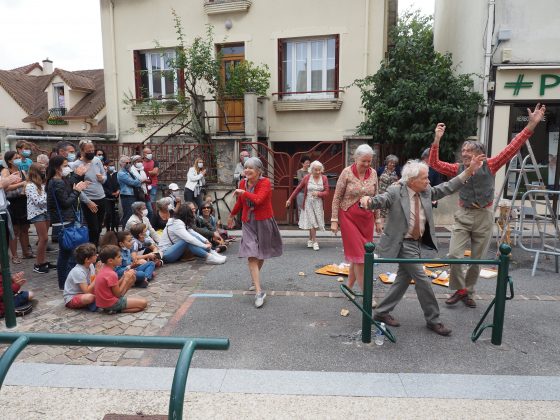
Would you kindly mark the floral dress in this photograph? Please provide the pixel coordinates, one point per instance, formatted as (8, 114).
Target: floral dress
(312, 215)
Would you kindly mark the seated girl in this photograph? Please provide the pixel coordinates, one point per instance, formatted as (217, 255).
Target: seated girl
(144, 269)
(179, 236)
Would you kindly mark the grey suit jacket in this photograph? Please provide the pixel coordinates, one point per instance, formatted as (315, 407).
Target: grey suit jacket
(396, 199)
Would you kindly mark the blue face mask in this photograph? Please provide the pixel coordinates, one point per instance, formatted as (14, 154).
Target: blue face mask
(17, 162)
(26, 153)
(111, 169)
(71, 157)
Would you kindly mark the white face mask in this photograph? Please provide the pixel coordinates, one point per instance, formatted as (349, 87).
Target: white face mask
(66, 171)
(200, 165)
(145, 212)
(139, 165)
(111, 169)
(149, 156)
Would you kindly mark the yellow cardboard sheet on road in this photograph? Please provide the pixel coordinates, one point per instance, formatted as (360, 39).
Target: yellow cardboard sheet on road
(333, 270)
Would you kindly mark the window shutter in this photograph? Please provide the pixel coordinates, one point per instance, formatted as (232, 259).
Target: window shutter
(181, 82)
(336, 64)
(280, 75)
(137, 75)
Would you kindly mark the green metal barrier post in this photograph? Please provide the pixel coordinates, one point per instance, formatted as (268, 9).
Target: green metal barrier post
(499, 301)
(7, 296)
(367, 298)
(368, 293)
(187, 345)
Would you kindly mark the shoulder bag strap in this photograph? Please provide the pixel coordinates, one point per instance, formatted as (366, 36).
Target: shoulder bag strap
(57, 206)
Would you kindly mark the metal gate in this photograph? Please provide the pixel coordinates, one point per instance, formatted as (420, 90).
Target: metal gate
(281, 168)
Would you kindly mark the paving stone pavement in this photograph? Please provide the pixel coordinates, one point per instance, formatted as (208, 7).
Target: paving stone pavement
(172, 286)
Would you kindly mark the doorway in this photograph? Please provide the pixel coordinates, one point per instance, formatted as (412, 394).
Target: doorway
(232, 111)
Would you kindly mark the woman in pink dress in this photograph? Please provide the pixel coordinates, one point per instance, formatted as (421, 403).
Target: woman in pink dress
(356, 224)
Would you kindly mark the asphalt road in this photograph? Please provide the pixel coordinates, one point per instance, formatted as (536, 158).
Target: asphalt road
(308, 333)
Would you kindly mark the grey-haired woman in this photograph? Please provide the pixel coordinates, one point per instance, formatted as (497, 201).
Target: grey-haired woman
(260, 238)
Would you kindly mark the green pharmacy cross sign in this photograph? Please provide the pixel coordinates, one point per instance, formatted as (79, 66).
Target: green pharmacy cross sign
(547, 81)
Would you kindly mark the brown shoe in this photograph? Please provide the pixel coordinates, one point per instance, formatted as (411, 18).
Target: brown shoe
(387, 319)
(439, 329)
(470, 302)
(456, 297)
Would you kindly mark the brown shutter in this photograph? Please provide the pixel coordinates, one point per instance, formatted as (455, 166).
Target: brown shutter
(181, 81)
(280, 75)
(336, 64)
(137, 75)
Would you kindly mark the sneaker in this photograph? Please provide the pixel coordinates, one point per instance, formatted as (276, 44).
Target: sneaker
(52, 266)
(309, 244)
(315, 246)
(259, 299)
(252, 288)
(215, 258)
(41, 269)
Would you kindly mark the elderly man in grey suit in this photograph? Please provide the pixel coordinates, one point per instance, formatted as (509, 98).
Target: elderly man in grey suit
(410, 224)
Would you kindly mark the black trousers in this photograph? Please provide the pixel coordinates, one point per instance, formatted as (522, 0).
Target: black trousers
(189, 196)
(112, 214)
(94, 220)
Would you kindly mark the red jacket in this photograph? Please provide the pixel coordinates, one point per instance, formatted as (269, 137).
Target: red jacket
(303, 185)
(261, 199)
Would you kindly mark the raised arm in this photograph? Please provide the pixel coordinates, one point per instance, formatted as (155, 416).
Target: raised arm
(449, 169)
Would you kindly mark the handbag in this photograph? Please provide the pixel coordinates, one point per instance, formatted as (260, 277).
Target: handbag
(70, 237)
(138, 192)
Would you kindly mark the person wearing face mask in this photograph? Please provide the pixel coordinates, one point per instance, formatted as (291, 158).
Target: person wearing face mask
(63, 187)
(93, 198)
(238, 173)
(112, 192)
(17, 207)
(100, 153)
(175, 195)
(140, 215)
(195, 182)
(68, 150)
(127, 183)
(138, 171)
(23, 149)
(151, 167)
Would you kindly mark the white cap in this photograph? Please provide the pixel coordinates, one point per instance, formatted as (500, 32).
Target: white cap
(173, 186)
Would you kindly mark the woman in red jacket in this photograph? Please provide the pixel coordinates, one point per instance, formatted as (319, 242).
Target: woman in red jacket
(260, 238)
(315, 187)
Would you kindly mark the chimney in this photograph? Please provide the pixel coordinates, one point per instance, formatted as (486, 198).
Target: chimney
(47, 66)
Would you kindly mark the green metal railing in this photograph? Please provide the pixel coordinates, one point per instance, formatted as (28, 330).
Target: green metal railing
(499, 300)
(187, 345)
(7, 297)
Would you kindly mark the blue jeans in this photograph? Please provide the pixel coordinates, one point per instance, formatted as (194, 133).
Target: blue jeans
(176, 251)
(145, 271)
(126, 203)
(64, 264)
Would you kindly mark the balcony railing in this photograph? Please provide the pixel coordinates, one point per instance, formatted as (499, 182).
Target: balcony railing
(55, 116)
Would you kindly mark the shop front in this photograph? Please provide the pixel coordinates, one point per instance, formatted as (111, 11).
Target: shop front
(516, 89)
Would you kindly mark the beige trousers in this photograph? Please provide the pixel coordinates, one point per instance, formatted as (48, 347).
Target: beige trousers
(474, 226)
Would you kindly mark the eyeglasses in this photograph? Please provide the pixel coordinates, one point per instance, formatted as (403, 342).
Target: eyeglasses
(206, 208)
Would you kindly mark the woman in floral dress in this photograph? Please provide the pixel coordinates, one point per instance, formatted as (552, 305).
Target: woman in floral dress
(315, 187)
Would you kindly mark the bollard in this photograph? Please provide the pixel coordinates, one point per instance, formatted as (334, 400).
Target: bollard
(501, 287)
(7, 296)
(368, 292)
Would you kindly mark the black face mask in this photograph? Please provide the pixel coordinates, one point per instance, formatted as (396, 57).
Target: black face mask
(43, 176)
(89, 156)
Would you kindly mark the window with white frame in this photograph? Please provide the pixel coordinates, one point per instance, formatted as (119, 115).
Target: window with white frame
(155, 76)
(309, 68)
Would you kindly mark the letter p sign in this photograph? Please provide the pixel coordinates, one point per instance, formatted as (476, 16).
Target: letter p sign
(554, 81)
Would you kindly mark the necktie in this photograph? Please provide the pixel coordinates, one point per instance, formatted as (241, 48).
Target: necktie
(416, 227)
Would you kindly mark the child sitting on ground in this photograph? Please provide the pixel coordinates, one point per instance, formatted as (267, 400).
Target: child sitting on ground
(78, 288)
(21, 297)
(109, 290)
(147, 251)
(144, 269)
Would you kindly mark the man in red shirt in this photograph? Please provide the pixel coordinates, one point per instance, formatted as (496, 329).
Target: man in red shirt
(151, 167)
(474, 220)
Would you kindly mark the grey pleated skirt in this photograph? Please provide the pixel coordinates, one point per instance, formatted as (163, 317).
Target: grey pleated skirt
(260, 239)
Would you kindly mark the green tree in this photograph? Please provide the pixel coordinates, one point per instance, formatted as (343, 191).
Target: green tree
(416, 88)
